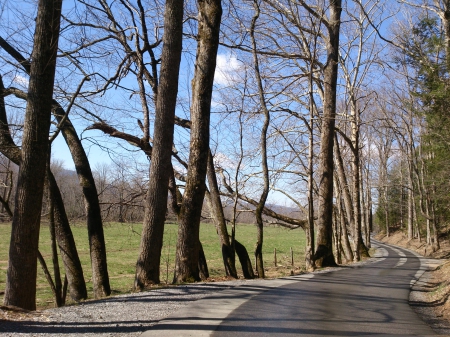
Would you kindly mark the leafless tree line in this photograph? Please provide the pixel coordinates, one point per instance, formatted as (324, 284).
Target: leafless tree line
(216, 112)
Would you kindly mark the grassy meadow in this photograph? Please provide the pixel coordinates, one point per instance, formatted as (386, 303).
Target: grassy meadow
(122, 245)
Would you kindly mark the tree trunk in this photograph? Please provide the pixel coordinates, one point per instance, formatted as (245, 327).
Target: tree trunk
(346, 242)
(56, 293)
(356, 180)
(66, 243)
(63, 232)
(410, 209)
(324, 252)
(347, 199)
(436, 244)
(245, 261)
(213, 199)
(336, 237)
(100, 278)
(186, 265)
(368, 211)
(22, 266)
(56, 271)
(202, 264)
(343, 226)
(309, 232)
(263, 144)
(364, 225)
(147, 266)
(386, 210)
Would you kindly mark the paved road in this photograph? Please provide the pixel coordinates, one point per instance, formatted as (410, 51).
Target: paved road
(371, 299)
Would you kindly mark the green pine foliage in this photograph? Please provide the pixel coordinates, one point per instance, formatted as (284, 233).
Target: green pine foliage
(428, 55)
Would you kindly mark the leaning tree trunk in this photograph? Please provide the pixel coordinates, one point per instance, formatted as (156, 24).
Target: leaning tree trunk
(343, 185)
(66, 243)
(202, 263)
(147, 266)
(95, 227)
(186, 265)
(64, 236)
(244, 259)
(59, 299)
(345, 242)
(100, 278)
(22, 265)
(213, 199)
(324, 252)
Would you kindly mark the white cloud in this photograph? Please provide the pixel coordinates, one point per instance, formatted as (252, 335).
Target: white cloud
(227, 68)
(20, 80)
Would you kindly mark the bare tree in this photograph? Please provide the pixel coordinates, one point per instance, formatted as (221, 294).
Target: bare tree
(186, 266)
(90, 196)
(324, 253)
(147, 266)
(21, 278)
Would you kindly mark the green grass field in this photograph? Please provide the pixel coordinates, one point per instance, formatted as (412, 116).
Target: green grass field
(122, 244)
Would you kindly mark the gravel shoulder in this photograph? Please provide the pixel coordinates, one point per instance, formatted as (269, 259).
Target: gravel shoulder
(132, 314)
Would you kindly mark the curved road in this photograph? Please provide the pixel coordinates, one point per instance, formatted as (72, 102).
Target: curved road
(370, 299)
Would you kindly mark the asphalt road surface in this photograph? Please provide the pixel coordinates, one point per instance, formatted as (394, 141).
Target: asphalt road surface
(367, 300)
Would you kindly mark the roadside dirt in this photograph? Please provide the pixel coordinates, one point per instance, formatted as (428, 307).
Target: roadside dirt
(431, 293)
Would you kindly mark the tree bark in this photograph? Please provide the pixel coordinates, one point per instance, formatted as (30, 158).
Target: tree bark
(346, 247)
(147, 266)
(186, 265)
(324, 252)
(93, 213)
(309, 230)
(263, 144)
(213, 199)
(66, 243)
(22, 267)
(245, 261)
(202, 264)
(347, 199)
(100, 278)
(55, 261)
(64, 236)
(356, 180)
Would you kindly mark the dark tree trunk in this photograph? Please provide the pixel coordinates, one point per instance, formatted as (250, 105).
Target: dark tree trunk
(244, 259)
(89, 191)
(186, 265)
(324, 251)
(63, 232)
(54, 289)
(147, 266)
(345, 243)
(56, 271)
(228, 253)
(348, 216)
(263, 143)
(22, 267)
(66, 243)
(202, 264)
(309, 230)
(100, 278)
